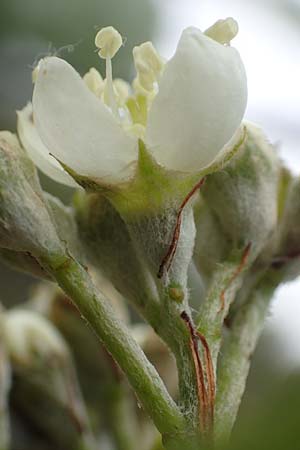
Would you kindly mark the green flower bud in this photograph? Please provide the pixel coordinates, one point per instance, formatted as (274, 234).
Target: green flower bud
(243, 196)
(25, 223)
(286, 258)
(211, 247)
(63, 218)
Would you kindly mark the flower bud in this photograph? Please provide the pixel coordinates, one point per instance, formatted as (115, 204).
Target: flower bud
(211, 247)
(286, 258)
(25, 223)
(32, 342)
(243, 196)
(101, 380)
(44, 372)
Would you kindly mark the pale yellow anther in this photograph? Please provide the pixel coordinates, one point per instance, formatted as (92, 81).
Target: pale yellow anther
(108, 40)
(223, 31)
(149, 65)
(94, 81)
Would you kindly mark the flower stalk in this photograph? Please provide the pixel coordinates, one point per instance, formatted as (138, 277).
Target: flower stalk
(244, 332)
(152, 394)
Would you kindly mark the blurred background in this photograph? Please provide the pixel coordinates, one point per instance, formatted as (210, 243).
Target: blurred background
(269, 42)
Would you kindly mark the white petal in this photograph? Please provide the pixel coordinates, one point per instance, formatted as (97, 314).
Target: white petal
(37, 151)
(77, 127)
(201, 102)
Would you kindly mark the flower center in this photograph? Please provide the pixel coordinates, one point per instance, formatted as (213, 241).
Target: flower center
(129, 104)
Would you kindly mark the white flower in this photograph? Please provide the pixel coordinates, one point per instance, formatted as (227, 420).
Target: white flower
(186, 110)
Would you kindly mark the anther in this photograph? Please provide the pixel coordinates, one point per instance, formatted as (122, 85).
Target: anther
(109, 41)
(223, 31)
(148, 63)
(94, 81)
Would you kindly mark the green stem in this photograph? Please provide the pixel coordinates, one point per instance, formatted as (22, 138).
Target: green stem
(144, 379)
(241, 342)
(222, 292)
(165, 318)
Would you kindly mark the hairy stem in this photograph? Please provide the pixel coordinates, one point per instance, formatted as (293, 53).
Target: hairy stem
(96, 310)
(245, 331)
(226, 282)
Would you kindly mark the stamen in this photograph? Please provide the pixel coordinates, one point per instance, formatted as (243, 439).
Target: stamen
(109, 41)
(94, 81)
(149, 65)
(109, 88)
(223, 31)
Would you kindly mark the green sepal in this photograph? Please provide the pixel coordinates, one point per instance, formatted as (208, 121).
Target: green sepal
(149, 205)
(153, 186)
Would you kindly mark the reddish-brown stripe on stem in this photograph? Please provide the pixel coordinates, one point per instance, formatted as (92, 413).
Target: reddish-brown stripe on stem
(201, 389)
(235, 274)
(210, 374)
(169, 256)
